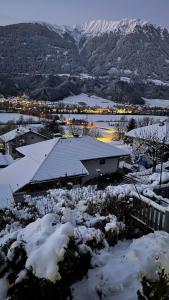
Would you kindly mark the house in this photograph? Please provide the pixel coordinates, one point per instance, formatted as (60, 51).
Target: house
(6, 196)
(150, 143)
(5, 160)
(59, 161)
(19, 137)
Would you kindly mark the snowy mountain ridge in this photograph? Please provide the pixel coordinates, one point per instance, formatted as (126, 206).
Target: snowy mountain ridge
(60, 29)
(98, 27)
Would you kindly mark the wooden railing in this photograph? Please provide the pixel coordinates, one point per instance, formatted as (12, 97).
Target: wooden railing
(150, 214)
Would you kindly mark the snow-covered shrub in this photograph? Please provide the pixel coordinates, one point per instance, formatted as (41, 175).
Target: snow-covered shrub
(43, 254)
(153, 290)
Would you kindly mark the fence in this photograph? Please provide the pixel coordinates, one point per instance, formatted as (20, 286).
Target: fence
(150, 214)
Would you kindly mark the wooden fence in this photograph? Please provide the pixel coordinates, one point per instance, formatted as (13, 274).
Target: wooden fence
(150, 214)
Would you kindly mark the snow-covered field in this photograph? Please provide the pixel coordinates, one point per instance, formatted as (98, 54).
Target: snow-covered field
(108, 118)
(5, 117)
(158, 82)
(85, 100)
(156, 102)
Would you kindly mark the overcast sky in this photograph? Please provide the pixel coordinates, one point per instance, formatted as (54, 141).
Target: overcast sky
(70, 12)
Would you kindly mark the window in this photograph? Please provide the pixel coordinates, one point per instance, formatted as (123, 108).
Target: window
(102, 161)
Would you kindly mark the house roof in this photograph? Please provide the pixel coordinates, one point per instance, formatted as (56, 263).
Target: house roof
(11, 135)
(54, 159)
(5, 159)
(6, 196)
(157, 132)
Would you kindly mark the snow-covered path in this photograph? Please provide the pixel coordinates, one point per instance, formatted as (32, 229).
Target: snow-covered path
(117, 271)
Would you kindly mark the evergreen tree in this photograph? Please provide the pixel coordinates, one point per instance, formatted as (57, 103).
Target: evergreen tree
(131, 124)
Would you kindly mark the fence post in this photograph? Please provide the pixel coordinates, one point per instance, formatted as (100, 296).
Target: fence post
(166, 221)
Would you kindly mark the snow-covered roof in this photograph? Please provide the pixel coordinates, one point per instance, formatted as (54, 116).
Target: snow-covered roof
(157, 132)
(6, 196)
(5, 159)
(16, 132)
(54, 159)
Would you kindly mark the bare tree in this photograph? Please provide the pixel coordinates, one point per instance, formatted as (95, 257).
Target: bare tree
(74, 130)
(94, 132)
(152, 144)
(144, 121)
(121, 126)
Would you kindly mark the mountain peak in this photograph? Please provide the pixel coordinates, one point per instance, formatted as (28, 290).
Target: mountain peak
(97, 27)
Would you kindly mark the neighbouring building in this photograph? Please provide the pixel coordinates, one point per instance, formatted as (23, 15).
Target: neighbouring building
(6, 196)
(58, 161)
(21, 136)
(150, 143)
(5, 160)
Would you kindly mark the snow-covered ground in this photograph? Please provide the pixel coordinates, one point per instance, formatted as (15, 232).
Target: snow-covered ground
(117, 271)
(157, 102)
(5, 117)
(158, 82)
(53, 219)
(108, 118)
(86, 100)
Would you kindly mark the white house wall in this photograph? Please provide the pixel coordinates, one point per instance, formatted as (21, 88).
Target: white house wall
(92, 166)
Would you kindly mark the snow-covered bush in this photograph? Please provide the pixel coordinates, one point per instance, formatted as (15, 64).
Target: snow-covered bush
(44, 252)
(50, 242)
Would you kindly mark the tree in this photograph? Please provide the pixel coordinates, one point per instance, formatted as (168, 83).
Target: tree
(144, 121)
(131, 124)
(151, 143)
(51, 127)
(121, 127)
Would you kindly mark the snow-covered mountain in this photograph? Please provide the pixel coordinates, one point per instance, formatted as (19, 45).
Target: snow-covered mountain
(99, 27)
(111, 49)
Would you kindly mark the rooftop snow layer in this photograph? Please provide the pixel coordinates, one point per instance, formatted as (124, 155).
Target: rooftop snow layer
(6, 196)
(157, 132)
(55, 158)
(14, 133)
(5, 159)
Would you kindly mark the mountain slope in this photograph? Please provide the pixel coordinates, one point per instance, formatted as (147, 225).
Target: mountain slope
(124, 60)
(98, 48)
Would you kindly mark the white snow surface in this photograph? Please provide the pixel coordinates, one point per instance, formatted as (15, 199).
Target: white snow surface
(5, 159)
(117, 271)
(98, 27)
(55, 158)
(156, 132)
(156, 102)
(5, 117)
(93, 118)
(6, 196)
(86, 100)
(45, 245)
(21, 130)
(158, 82)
